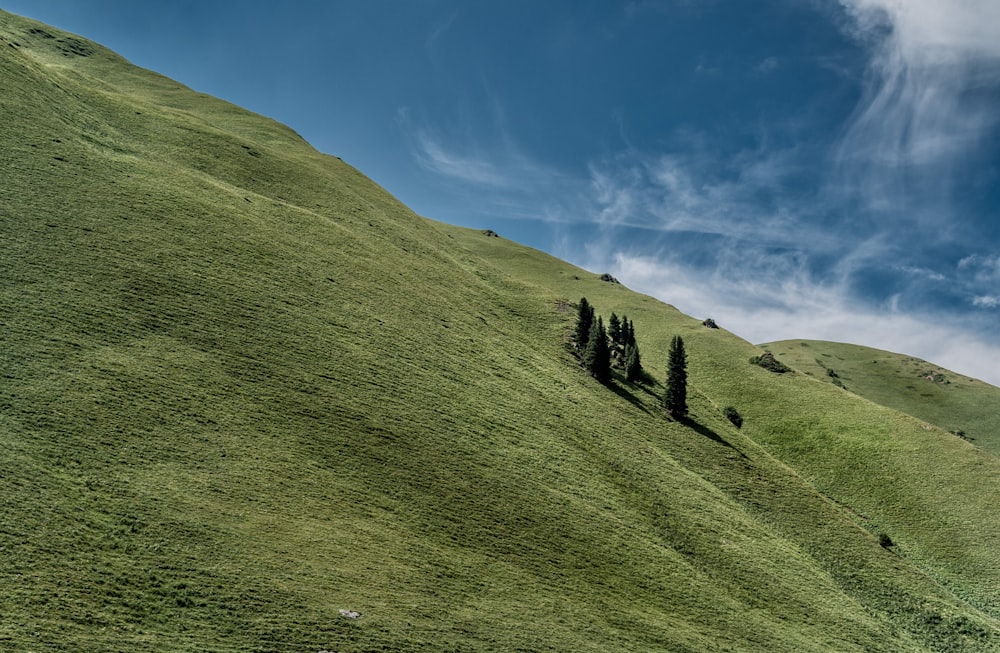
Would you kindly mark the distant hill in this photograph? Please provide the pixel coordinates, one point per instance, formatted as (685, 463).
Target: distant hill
(953, 402)
(251, 402)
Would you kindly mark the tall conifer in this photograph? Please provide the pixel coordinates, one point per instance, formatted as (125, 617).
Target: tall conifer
(584, 321)
(597, 357)
(633, 365)
(675, 396)
(615, 331)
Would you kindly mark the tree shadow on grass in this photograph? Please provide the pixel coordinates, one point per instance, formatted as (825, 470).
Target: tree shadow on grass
(701, 429)
(647, 382)
(622, 391)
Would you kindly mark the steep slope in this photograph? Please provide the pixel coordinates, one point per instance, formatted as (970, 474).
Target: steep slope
(932, 493)
(244, 388)
(951, 401)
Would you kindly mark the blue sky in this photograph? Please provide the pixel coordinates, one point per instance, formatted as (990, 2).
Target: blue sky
(822, 169)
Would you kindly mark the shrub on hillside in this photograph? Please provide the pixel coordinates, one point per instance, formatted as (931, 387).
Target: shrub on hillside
(733, 416)
(885, 541)
(769, 362)
(710, 323)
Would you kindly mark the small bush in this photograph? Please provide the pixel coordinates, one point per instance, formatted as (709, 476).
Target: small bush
(885, 541)
(607, 277)
(769, 362)
(710, 323)
(733, 416)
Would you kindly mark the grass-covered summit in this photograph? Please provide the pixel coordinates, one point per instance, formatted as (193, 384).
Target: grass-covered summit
(244, 389)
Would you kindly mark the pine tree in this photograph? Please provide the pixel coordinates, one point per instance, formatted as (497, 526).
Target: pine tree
(597, 357)
(675, 396)
(633, 365)
(628, 333)
(615, 331)
(584, 321)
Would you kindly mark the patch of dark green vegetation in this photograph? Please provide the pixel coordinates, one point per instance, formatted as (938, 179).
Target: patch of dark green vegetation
(733, 416)
(770, 363)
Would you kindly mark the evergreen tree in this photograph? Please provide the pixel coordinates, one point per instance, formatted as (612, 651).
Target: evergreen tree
(628, 333)
(584, 321)
(675, 396)
(597, 356)
(633, 366)
(615, 331)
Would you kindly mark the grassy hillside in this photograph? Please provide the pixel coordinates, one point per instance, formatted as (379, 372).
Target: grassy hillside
(951, 401)
(243, 388)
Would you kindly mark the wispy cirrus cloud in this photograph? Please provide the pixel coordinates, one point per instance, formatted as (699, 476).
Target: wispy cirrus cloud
(466, 166)
(981, 268)
(736, 196)
(486, 162)
(981, 276)
(439, 28)
(928, 100)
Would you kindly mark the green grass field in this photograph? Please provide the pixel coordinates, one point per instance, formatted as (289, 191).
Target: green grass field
(243, 388)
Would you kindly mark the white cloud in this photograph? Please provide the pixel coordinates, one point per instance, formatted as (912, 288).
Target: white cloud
(923, 273)
(490, 162)
(986, 301)
(439, 29)
(699, 191)
(934, 28)
(924, 109)
(615, 195)
(770, 64)
(983, 269)
(463, 166)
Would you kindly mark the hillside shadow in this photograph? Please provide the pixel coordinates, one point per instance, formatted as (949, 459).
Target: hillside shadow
(701, 429)
(645, 383)
(619, 389)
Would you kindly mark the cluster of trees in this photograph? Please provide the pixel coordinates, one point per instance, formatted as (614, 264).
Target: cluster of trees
(601, 348)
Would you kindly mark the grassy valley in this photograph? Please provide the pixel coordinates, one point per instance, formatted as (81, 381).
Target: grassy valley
(243, 389)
